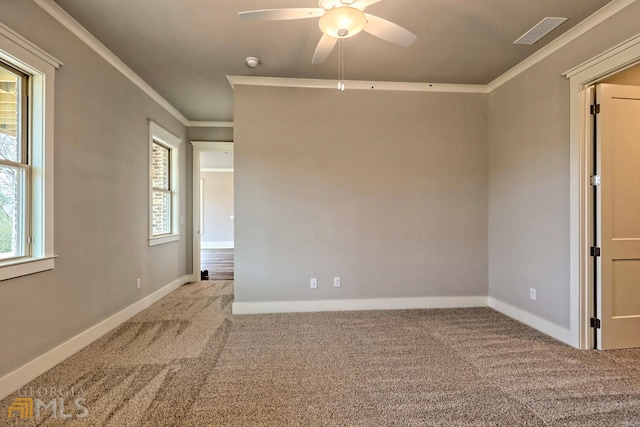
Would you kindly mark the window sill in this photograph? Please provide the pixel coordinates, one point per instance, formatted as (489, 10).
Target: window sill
(25, 266)
(153, 241)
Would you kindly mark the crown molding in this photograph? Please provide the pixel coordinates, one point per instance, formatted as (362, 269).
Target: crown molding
(583, 27)
(580, 29)
(354, 84)
(79, 31)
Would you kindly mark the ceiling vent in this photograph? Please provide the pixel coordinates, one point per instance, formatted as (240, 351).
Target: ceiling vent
(540, 30)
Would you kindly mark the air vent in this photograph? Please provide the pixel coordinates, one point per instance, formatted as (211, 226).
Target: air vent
(540, 30)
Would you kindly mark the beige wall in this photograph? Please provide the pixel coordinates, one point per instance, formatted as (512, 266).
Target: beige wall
(101, 201)
(209, 134)
(628, 77)
(218, 207)
(387, 190)
(529, 175)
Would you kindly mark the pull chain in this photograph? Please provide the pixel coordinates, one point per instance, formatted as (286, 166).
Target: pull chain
(340, 66)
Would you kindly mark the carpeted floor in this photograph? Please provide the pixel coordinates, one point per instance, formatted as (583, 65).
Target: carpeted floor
(186, 361)
(218, 262)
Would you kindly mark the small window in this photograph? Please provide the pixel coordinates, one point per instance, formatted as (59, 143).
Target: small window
(163, 203)
(161, 173)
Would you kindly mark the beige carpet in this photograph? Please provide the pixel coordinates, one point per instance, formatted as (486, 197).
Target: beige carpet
(187, 362)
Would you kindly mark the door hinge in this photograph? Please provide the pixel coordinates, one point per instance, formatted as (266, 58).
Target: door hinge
(595, 109)
(595, 251)
(595, 180)
(595, 322)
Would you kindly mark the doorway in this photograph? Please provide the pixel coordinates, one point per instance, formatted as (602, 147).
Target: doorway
(213, 217)
(616, 210)
(584, 265)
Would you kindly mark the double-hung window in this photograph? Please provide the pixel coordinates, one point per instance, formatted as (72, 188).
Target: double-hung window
(164, 185)
(27, 83)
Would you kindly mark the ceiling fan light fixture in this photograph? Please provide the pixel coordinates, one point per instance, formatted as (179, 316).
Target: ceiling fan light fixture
(342, 22)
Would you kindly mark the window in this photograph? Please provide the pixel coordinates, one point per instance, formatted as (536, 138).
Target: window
(27, 82)
(163, 187)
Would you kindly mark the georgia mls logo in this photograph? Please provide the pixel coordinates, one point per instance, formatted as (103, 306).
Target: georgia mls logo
(49, 401)
(23, 406)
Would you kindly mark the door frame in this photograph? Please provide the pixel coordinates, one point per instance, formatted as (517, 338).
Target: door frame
(198, 148)
(616, 59)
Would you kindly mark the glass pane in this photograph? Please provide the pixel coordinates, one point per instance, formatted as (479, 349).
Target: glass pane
(160, 172)
(161, 213)
(9, 118)
(11, 212)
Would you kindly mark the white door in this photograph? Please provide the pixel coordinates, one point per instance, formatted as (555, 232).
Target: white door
(618, 143)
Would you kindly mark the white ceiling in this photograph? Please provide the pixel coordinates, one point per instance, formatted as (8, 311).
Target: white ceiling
(185, 49)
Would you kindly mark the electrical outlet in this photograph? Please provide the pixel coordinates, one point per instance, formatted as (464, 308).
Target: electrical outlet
(138, 284)
(336, 282)
(314, 283)
(532, 294)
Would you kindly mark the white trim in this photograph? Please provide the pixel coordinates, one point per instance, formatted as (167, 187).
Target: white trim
(26, 266)
(357, 304)
(599, 66)
(217, 245)
(154, 241)
(216, 169)
(172, 142)
(543, 325)
(213, 145)
(31, 370)
(580, 29)
(79, 31)
(580, 275)
(195, 124)
(355, 84)
(25, 44)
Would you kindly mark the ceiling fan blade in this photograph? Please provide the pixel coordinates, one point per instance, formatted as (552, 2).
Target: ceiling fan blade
(324, 48)
(387, 30)
(281, 14)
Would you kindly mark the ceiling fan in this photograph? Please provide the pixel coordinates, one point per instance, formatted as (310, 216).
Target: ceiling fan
(339, 19)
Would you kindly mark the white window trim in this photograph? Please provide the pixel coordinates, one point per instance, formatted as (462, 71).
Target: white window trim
(24, 55)
(158, 133)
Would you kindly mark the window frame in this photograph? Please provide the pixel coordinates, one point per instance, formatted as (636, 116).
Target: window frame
(159, 135)
(19, 53)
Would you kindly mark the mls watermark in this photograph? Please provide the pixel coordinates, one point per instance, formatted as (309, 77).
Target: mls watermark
(60, 403)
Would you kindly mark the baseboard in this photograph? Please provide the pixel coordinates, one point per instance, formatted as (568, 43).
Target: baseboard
(216, 245)
(543, 325)
(28, 372)
(357, 304)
